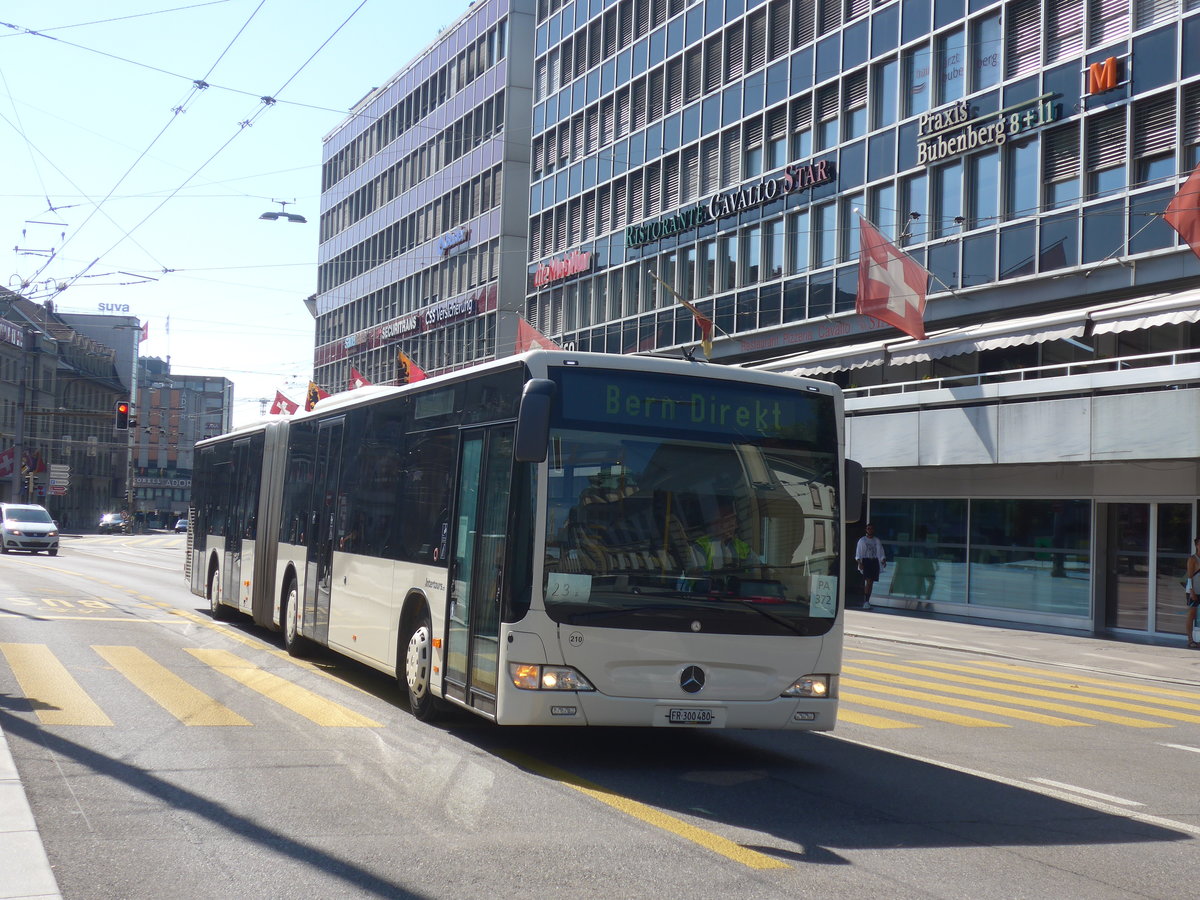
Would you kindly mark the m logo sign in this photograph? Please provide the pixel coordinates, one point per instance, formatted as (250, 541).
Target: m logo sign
(1103, 76)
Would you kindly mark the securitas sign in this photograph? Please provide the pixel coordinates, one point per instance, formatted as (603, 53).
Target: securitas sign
(793, 180)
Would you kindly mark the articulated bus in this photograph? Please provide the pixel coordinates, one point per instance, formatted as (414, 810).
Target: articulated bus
(533, 539)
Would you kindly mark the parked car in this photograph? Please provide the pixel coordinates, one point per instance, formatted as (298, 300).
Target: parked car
(111, 523)
(181, 526)
(27, 526)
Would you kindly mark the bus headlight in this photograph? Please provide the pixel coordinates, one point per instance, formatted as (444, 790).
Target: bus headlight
(532, 677)
(808, 686)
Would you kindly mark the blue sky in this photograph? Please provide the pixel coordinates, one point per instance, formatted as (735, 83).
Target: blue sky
(149, 189)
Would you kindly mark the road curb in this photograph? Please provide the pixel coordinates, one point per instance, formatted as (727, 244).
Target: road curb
(26, 872)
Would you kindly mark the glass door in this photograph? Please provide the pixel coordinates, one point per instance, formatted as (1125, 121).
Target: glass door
(1147, 550)
(480, 544)
(319, 568)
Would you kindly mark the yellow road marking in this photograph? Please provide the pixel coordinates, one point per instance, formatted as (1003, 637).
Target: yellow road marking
(299, 700)
(1040, 718)
(1054, 695)
(920, 711)
(870, 721)
(725, 847)
(186, 703)
(888, 678)
(1122, 688)
(44, 618)
(55, 695)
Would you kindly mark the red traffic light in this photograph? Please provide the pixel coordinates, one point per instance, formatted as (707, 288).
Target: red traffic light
(121, 417)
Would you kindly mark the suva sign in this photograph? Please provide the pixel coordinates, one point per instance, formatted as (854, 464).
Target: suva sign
(794, 179)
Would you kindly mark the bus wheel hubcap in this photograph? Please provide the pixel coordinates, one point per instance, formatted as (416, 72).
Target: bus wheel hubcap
(416, 668)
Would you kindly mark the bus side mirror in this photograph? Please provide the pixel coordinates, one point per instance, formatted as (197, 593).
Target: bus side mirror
(852, 491)
(533, 421)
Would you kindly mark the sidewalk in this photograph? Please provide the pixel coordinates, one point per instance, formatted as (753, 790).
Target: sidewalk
(26, 872)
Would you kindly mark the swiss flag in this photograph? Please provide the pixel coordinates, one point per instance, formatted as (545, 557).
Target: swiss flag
(529, 338)
(891, 284)
(1183, 212)
(7, 462)
(282, 406)
(357, 379)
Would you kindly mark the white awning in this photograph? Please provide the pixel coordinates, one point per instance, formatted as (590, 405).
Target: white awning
(1064, 325)
(830, 359)
(1171, 309)
(992, 336)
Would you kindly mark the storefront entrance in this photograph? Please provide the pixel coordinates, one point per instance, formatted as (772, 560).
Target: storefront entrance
(1145, 550)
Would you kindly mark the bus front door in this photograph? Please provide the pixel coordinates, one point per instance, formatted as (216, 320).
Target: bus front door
(318, 579)
(480, 540)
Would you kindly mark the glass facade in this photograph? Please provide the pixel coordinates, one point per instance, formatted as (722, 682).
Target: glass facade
(957, 121)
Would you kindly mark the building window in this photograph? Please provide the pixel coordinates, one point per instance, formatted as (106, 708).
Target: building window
(1064, 29)
(751, 255)
(1154, 138)
(947, 215)
(772, 249)
(1107, 20)
(1022, 184)
(1024, 37)
(777, 139)
(1190, 126)
(827, 116)
(1061, 166)
(916, 81)
(855, 118)
(987, 52)
(951, 65)
(1151, 12)
(914, 208)
(824, 234)
(802, 146)
(885, 93)
(882, 210)
(727, 257)
(798, 242)
(752, 142)
(1106, 149)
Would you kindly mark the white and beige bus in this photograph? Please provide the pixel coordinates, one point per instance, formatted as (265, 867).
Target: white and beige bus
(554, 538)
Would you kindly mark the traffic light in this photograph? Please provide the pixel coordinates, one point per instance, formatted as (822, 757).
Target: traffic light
(121, 417)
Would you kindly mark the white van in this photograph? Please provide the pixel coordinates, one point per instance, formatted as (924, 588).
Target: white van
(27, 526)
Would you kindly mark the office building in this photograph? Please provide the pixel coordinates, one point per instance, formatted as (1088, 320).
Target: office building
(1035, 458)
(424, 207)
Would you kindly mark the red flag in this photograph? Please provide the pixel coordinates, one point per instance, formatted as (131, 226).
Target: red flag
(145, 335)
(6, 462)
(891, 284)
(407, 371)
(706, 326)
(357, 379)
(1183, 212)
(529, 338)
(314, 394)
(282, 406)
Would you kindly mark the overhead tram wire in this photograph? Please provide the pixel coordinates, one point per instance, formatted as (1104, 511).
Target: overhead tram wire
(198, 85)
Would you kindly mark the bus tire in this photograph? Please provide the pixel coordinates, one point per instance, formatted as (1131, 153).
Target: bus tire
(219, 610)
(416, 676)
(293, 641)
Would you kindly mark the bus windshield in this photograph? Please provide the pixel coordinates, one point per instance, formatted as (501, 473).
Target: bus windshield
(710, 528)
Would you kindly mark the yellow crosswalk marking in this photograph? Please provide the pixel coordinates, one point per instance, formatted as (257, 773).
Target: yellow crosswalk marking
(186, 703)
(1052, 694)
(1012, 700)
(870, 721)
(299, 700)
(1040, 718)
(1108, 687)
(55, 695)
(920, 711)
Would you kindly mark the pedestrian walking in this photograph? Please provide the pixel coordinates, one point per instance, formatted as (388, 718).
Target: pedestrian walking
(871, 559)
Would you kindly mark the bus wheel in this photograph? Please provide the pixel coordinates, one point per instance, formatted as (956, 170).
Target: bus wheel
(418, 663)
(219, 611)
(293, 642)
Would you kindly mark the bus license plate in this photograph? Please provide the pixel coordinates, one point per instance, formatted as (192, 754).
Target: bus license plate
(690, 716)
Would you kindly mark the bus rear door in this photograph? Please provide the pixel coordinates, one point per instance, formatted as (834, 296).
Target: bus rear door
(318, 578)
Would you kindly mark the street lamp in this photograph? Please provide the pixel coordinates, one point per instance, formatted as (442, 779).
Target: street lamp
(283, 213)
